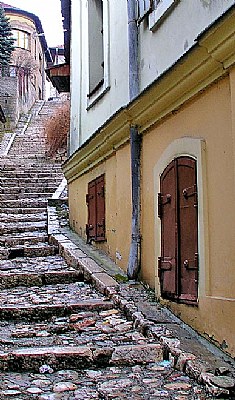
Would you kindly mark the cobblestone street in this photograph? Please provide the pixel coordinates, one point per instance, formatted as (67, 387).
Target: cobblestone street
(72, 326)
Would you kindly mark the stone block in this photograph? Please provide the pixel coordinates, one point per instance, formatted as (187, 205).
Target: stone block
(102, 281)
(89, 267)
(141, 354)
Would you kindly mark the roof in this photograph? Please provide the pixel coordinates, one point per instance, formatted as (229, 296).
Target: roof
(15, 10)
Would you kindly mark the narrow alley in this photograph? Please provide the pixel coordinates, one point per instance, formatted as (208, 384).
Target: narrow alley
(72, 326)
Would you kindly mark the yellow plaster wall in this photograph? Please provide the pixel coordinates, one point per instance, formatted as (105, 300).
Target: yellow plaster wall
(117, 205)
(209, 116)
(18, 19)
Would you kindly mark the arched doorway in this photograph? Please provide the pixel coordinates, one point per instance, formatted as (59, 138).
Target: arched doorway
(178, 211)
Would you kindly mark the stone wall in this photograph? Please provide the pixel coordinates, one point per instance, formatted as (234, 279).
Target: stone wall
(9, 101)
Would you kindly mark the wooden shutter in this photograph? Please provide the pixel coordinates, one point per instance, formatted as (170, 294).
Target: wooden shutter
(188, 228)
(167, 213)
(95, 228)
(91, 203)
(178, 264)
(100, 208)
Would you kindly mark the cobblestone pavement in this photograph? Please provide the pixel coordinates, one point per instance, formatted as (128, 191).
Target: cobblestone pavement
(69, 341)
(74, 328)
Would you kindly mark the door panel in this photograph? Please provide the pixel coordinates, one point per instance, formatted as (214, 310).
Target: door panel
(188, 228)
(100, 209)
(91, 198)
(167, 262)
(178, 264)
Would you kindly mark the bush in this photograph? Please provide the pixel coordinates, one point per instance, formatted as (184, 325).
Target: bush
(57, 128)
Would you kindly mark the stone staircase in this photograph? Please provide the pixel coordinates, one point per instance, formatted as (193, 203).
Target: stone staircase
(27, 180)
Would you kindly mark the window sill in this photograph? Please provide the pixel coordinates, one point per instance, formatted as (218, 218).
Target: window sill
(162, 10)
(96, 96)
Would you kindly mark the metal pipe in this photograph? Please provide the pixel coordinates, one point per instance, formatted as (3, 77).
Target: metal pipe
(135, 144)
(133, 50)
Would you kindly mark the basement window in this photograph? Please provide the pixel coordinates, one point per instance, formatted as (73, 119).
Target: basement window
(95, 199)
(98, 47)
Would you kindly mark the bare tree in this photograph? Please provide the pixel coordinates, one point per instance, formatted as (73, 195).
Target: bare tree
(22, 59)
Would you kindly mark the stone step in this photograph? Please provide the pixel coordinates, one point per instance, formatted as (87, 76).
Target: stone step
(38, 143)
(41, 167)
(15, 277)
(29, 166)
(25, 195)
(33, 359)
(18, 227)
(26, 175)
(6, 190)
(39, 249)
(23, 239)
(21, 211)
(23, 203)
(80, 357)
(40, 312)
(29, 156)
(97, 328)
(16, 218)
(7, 163)
(32, 182)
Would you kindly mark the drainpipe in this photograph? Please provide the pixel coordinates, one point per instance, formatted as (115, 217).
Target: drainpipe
(135, 144)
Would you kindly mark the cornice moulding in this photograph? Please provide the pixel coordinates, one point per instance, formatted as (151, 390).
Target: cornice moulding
(208, 61)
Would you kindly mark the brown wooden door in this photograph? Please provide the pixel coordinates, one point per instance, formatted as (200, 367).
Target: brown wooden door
(188, 228)
(91, 202)
(95, 227)
(167, 212)
(100, 209)
(178, 264)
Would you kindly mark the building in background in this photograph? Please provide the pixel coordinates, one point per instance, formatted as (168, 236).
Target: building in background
(59, 73)
(57, 55)
(24, 81)
(153, 136)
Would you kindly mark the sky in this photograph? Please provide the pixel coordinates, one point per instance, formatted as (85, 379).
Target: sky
(49, 13)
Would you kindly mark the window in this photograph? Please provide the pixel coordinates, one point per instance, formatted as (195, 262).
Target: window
(96, 45)
(22, 39)
(144, 8)
(177, 209)
(155, 9)
(98, 42)
(95, 228)
(160, 10)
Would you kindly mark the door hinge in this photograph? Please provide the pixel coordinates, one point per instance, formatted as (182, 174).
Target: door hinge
(189, 192)
(162, 201)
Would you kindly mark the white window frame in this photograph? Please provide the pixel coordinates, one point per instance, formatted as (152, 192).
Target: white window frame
(160, 12)
(106, 38)
(22, 39)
